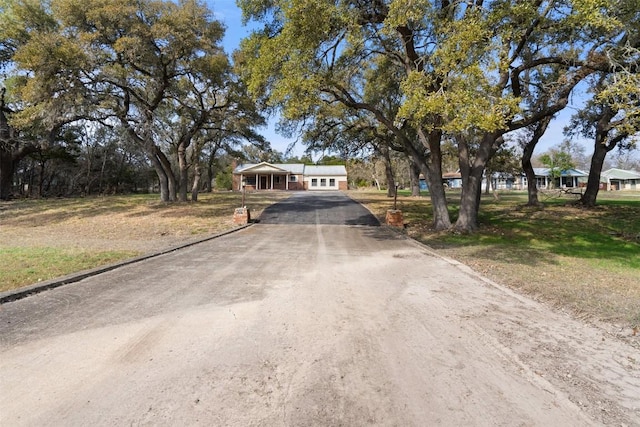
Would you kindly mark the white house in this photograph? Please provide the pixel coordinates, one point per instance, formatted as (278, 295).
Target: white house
(325, 177)
(294, 176)
(620, 179)
(568, 178)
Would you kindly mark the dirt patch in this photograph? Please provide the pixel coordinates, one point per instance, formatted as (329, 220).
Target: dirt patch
(365, 328)
(554, 254)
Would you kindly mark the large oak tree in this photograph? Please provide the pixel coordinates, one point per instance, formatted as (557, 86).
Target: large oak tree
(149, 66)
(464, 68)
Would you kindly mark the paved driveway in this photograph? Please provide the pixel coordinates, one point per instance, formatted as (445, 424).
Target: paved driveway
(304, 325)
(308, 207)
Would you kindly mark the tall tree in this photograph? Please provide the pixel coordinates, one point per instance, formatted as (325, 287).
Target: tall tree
(460, 68)
(131, 62)
(610, 119)
(19, 20)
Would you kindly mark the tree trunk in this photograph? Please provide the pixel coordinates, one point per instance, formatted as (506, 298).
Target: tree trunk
(414, 177)
(11, 152)
(467, 221)
(532, 185)
(6, 174)
(210, 175)
(388, 171)
(208, 183)
(601, 147)
(588, 199)
(6, 156)
(196, 182)
(163, 179)
(165, 164)
(183, 174)
(433, 172)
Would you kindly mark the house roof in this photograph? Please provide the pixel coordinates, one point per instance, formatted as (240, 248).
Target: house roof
(264, 167)
(568, 172)
(293, 168)
(334, 170)
(619, 174)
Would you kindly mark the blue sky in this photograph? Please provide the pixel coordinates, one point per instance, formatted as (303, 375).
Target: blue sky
(228, 12)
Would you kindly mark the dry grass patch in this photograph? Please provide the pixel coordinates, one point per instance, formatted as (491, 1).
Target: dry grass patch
(44, 239)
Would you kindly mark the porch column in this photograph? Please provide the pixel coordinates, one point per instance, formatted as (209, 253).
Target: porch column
(257, 182)
(271, 182)
(241, 181)
(286, 183)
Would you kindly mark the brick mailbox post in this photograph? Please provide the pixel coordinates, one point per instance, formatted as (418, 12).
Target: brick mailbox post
(241, 216)
(394, 216)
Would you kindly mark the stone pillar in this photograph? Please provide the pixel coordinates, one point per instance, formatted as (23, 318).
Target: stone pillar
(241, 216)
(395, 218)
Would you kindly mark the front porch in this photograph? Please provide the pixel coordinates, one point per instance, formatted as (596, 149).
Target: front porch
(271, 181)
(265, 176)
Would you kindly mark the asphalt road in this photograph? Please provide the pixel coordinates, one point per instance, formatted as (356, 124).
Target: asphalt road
(302, 324)
(318, 208)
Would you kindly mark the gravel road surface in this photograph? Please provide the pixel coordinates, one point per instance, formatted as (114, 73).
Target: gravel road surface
(314, 322)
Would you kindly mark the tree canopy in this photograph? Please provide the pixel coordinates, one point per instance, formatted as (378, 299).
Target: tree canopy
(430, 71)
(431, 80)
(155, 68)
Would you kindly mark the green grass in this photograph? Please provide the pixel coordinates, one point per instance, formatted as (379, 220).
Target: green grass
(20, 265)
(608, 234)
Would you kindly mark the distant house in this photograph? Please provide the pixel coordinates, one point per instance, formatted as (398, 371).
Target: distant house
(620, 179)
(505, 181)
(568, 178)
(449, 179)
(295, 176)
(452, 179)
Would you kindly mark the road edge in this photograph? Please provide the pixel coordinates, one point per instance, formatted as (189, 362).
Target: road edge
(36, 288)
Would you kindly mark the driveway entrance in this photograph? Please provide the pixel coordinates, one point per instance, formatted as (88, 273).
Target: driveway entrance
(318, 207)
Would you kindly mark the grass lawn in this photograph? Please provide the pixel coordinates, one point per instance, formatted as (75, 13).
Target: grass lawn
(583, 261)
(47, 238)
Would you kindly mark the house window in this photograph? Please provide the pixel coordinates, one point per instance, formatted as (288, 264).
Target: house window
(332, 182)
(276, 179)
(314, 182)
(323, 182)
(293, 178)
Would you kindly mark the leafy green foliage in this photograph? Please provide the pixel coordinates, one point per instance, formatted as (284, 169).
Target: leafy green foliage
(224, 180)
(557, 161)
(154, 67)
